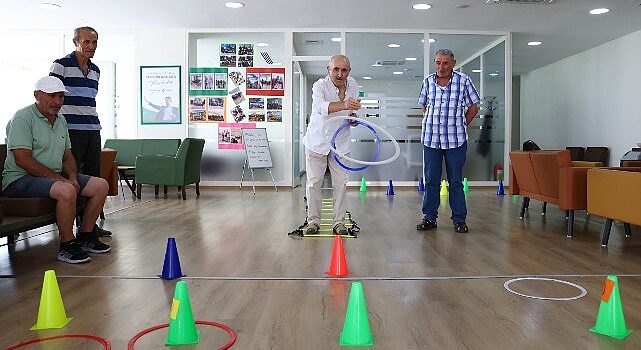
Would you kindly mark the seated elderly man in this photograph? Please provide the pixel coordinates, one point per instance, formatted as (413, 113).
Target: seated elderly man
(40, 164)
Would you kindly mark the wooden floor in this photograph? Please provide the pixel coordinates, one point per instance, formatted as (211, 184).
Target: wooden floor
(424, 290)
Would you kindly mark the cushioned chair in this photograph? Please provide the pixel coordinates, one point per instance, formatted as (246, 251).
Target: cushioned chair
(549, 176)
(180, 170)
(597, 154)
(109, 169)
(615, 194)
(576, 153)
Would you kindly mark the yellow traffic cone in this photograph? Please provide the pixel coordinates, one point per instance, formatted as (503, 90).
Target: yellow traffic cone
(51, 313)
(444, 191)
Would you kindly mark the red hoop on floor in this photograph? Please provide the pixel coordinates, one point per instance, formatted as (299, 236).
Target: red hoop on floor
(100, 340)
(232, 334)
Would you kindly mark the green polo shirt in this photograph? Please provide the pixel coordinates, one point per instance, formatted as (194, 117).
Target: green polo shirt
(29, 129)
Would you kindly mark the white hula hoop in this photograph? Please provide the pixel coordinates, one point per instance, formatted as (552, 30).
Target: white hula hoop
(506, 285)
(397, 148)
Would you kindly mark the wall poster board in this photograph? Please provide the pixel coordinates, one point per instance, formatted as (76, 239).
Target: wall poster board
(257, 148)
(160, 95)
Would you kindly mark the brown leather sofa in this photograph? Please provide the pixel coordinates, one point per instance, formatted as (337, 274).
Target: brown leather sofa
(549, 176)
(615, 194)
(109, 169)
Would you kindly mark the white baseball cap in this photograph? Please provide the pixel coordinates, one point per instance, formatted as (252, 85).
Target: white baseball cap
(49, 84)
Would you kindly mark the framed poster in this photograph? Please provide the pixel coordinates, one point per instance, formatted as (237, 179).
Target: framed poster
(160, 93)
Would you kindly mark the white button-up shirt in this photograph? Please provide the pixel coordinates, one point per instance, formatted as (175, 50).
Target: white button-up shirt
(324, 92)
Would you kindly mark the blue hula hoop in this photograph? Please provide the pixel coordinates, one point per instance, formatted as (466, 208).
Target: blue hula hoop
(376, 139)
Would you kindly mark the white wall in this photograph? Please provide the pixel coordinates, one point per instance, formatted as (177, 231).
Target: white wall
(158, 47)
(589, 99)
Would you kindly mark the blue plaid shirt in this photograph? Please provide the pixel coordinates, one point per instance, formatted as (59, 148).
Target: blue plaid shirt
(444, 120)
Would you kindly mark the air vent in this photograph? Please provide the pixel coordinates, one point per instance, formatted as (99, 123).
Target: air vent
(390, 63)
(542, 2)
(313, 42)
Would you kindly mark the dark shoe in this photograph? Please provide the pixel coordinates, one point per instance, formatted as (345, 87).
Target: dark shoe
(340, 229)
(461, 227)
(72, 253)
(311, 228)
(101, 232)
(89, 242)
(426, 225)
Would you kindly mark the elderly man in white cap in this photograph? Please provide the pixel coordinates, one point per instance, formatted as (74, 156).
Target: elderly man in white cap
(40, 164)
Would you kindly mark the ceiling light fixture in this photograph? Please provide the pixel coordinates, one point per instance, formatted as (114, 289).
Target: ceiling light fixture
(422, 6)
(337, 39)
(432, 40)
(367, 78)
(397, 73)
(494, 74)
(276, 64)
(599, 11)
(262, 44)
(476, 70)
(534, 43)
(234, 5)
(50, 6)
(393, 45)
(377, 65)
(410, 58)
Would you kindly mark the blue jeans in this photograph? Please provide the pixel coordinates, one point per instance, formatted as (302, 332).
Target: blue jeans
(432, 169)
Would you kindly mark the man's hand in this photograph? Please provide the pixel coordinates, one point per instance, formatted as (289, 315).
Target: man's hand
(352, 104)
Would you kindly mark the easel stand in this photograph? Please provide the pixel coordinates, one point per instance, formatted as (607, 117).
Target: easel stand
(251, 170)
(257, 154)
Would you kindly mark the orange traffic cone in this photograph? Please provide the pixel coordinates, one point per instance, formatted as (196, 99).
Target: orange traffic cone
(338, 262)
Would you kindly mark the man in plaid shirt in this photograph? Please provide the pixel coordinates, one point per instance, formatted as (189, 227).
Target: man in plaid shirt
(449, 101)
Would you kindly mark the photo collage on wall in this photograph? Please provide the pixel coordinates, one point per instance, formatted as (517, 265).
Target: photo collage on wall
(237, 94)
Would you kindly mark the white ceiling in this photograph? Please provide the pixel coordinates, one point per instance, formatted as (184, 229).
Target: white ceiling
(564, 27)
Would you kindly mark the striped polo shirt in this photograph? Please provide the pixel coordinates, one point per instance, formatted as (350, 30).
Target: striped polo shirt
(79, 106)
(444, 124)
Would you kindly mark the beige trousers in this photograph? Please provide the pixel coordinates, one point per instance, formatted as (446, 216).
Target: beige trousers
(316, 164)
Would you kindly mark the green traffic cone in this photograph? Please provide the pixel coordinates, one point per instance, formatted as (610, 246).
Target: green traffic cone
(363, 185)
(356, 330)
(610, 320)
(51, 312)
(444, 188)
(466, 186)
(182, 327)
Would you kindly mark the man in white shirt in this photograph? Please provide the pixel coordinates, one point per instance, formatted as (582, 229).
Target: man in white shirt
(334, 95)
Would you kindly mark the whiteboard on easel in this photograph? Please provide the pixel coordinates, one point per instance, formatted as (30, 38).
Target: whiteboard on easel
(257, 148)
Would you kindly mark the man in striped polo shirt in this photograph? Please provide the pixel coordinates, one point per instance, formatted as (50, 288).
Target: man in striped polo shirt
(80, 77)
(449, 101)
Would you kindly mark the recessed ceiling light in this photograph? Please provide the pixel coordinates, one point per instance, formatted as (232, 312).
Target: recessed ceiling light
(393, 45)
(262, 44)
(476, 71)
(432, 40)
(534, 43)
(377, 65)
(462, 6)
(336, 39)
(422, 6)
(410, 58)
(367, 78)
(494, 74)
(422, 40)
(397, 73)
(234, 5)
(599, 11)
(50, 6)
(360, 86)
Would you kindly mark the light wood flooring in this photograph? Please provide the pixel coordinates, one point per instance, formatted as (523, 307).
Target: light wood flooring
(424, 290)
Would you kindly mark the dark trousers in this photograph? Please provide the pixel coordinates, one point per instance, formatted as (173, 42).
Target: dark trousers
(432, 168)
(85, 146)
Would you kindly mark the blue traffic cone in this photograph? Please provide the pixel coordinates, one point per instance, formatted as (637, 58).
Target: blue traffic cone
(501, 191)
(390, 189)
(421, 185)
(171, 268)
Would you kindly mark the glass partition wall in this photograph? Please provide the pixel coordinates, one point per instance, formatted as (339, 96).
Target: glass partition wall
(389, 68)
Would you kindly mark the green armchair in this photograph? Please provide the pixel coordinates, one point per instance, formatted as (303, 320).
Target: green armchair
(179, 170)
